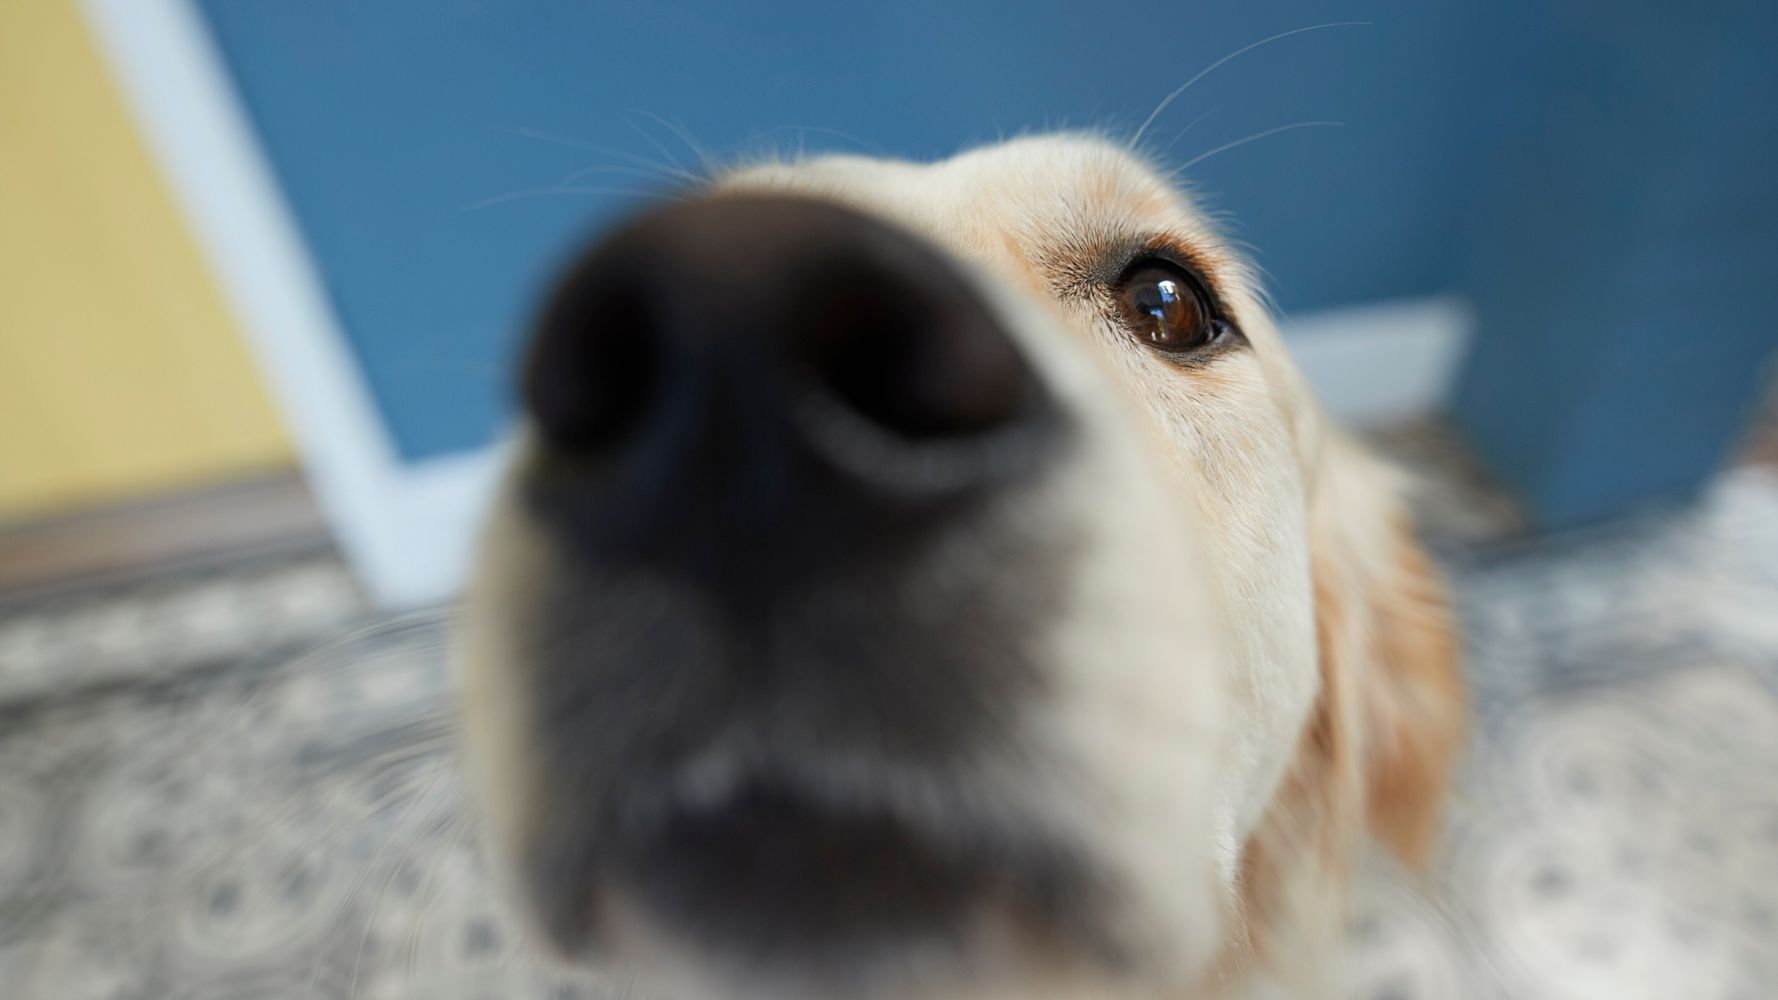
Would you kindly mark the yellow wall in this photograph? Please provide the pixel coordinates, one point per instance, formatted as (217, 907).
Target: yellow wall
(121, 372)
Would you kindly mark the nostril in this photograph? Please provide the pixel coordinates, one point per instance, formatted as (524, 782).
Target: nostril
(921, 362)
(593, 367)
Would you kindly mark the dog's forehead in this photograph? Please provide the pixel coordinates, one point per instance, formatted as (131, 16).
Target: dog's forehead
(1062, 203)
(1073, 181)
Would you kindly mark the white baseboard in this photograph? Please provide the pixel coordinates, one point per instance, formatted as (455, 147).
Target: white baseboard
(407, 528)
(1382, 362)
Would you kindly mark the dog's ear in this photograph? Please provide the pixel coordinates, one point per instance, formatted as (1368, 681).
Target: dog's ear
(1392, 707)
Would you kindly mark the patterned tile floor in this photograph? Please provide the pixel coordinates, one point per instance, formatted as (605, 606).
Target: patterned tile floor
(281, 816)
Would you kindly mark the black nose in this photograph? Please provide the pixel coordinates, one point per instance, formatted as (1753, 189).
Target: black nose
(798, 293)
(765, 360)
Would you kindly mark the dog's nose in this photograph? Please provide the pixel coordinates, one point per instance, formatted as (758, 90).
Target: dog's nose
(775, 296)
(766, 360)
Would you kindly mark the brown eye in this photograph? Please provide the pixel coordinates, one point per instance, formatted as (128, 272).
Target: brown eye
(1166, 308)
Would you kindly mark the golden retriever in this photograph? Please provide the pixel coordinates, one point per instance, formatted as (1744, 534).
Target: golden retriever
(935, 580)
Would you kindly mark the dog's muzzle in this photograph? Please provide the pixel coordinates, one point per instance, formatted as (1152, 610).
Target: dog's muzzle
(774, 645)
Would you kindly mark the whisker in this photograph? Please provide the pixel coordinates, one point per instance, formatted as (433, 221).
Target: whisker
(556, 189)
(705, 161)
(1168, 149)
(803, 130)
(667, 170)
(616, 169)
(453, 839)
(344, 913)
(1225, 147)
(1206, 71)
(656, 143)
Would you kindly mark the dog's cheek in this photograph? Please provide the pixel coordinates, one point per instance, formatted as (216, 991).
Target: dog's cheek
(1393, 707)
(1252, 518)
(1134, 709)
(1414, 710)
(496, 713)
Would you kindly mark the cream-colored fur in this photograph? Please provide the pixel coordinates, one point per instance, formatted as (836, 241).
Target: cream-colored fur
(1210, 739)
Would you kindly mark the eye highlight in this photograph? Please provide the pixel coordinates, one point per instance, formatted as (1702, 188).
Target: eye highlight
(1166, 308)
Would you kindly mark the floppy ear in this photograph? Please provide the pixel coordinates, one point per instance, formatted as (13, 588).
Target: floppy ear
(1392, 695)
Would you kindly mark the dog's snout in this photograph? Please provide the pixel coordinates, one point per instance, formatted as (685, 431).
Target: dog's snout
(756, 313)
(767, 429)
(893, 333)
(843, 530)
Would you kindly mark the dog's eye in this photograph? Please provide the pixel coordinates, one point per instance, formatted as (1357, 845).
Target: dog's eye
(1167, 308)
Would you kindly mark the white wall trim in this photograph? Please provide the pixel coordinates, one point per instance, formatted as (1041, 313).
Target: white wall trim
(403, 527)
(407, 529)
(1382, 362)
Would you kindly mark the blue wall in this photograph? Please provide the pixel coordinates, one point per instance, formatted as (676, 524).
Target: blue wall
(389, 122)
(1626, 278)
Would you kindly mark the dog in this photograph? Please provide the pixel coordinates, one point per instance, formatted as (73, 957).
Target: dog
(935, 580)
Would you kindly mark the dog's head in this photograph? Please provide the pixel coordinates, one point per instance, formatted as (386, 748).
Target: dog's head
(936, 580)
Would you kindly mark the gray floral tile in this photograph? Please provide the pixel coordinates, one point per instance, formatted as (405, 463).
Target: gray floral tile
(151, 630)
(259, 798)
